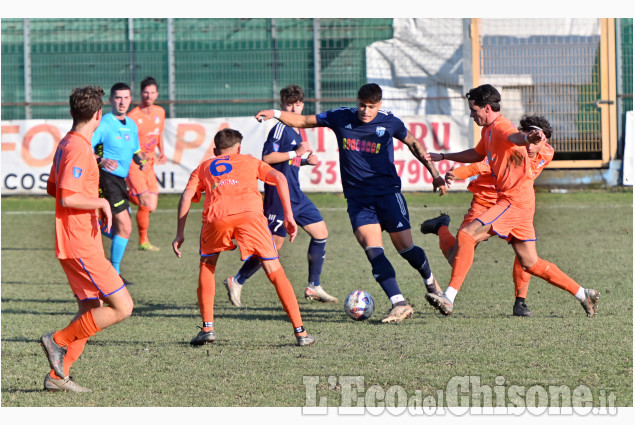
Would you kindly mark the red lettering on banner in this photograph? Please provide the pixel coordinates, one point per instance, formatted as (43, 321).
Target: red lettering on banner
(182, 131)
(445, 145)
(419, 130)
(210, 150)
(9, 129)
(28, 137)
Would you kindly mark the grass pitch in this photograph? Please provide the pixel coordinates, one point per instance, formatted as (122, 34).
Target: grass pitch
(147, 359)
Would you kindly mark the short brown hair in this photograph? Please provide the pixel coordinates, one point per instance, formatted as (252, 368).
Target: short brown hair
(291, 94)
(227, 138)
(84, 102)
(370, 93)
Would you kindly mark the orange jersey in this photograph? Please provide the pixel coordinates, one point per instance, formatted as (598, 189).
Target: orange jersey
(484, 186)
(509, 163)
(150, 126)
(230, 183)
(74, 169)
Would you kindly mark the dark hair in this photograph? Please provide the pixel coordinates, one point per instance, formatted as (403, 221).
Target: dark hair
(119, 86)
(485, 95)
(148, 81)
(527, 121)
(227, 138)
(84, 102)
(370, 93)
(291, 94)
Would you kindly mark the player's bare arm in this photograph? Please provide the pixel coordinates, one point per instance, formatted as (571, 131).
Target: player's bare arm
(290, 119)
(278, 157)
(280, 181)
(523, 139)
(419, 152)
(79, 201)
(183, 209)
(467, 156)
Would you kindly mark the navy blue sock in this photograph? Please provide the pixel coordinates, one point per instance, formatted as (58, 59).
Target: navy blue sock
(315, 255)
(251, 266)
(418, 260)
(383, 272)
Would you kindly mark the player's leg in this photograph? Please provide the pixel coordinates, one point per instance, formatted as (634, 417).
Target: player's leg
(148, 200)
(275, 273)
(521, 284)
(536, 266)
(315, 256)
(90, 279)
(123, 227)
(205, 293)
(416, 257)
(234, 284)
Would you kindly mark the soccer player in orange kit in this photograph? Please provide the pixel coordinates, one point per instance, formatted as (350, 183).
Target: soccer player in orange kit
(485, 197)
(74, 182)
(143, 184)
(511, 218)
(233, 210)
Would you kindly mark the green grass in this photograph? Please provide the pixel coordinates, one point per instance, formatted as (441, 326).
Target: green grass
(147, 359)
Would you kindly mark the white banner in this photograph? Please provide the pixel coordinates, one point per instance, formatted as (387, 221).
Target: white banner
(28, 147)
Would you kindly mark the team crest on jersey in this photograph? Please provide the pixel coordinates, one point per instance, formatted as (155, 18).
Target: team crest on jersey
(77, 172)
(157, 120)
(276, 147)
(127, 137)
(380, 131)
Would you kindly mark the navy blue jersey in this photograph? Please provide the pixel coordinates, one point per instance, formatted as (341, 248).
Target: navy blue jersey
(283, 139)
(366, 151)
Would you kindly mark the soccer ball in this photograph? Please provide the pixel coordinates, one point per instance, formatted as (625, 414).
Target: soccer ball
(359, 305)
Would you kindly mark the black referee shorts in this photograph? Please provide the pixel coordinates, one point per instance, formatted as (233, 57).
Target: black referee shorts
(114, 189)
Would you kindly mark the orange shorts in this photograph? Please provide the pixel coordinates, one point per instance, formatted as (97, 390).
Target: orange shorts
(511, 220)
(91, 278)
(249, 229)
(140, 182)
(474, 212)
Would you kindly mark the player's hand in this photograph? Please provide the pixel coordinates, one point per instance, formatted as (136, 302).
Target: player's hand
(108, 164)
(535, 136)
(176, 244)
(265, 115)
(450, 176)
(312, 159)
(439, 183)
(105, 216)
(434, 157)
(303, 148)
(162, 159)
(291, 227)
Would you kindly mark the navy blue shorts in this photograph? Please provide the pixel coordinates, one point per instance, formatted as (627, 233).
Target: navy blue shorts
(390, 211)
(304, 213)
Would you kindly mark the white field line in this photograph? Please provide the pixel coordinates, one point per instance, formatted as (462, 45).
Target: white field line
(432, 209)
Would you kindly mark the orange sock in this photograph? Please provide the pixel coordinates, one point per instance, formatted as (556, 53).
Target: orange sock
(84, 327)
(73, 352)
(206, 291)
(463, 259)
(446, 240)
(521, 279)
(143, 221)
(287, 296)
(552, 274)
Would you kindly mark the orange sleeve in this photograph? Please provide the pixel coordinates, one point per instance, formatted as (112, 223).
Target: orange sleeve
(466, 171)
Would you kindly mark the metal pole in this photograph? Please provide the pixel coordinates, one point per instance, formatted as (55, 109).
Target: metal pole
(274, 45)
(317, 65)
(26, 23)
(131, 48)
(171, 80)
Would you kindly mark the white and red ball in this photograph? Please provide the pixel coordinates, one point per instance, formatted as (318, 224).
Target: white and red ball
(359, 305)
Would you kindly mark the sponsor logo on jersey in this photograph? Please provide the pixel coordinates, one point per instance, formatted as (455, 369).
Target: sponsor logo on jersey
(360, 145)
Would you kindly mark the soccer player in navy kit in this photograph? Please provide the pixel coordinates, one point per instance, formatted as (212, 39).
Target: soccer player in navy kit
(116, 145)
(283, 150)
(372, 186)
